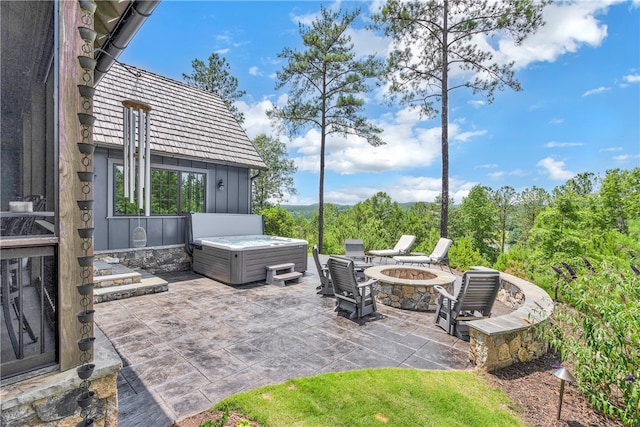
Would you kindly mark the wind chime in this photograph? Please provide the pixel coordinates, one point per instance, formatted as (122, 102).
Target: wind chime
(137, 152)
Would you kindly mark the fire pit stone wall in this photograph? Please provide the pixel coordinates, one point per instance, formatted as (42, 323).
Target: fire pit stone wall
(407, 287)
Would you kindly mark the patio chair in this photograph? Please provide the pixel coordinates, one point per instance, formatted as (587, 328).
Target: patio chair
(402, 247)
(325, 288)
(440, 255)
(354, 249)
(474, 300)
(358, 298)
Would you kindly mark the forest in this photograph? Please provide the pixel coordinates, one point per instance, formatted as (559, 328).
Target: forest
(591, 223)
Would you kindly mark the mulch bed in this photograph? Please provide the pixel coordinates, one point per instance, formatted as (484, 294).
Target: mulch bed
(536, 391)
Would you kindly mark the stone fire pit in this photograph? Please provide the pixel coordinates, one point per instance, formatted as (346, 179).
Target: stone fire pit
(407, 287)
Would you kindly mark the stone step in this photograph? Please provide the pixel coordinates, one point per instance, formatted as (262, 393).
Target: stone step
(107, 267)
(148, 284)
(121, 279)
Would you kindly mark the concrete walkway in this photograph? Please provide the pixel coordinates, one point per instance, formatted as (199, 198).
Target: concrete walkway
(188, 348)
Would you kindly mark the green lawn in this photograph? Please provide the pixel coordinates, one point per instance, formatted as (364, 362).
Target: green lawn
(377, 397)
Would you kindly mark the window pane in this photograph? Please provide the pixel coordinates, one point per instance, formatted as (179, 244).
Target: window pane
(122, 204)
(164, 192)
(29, 305)
(193, 192)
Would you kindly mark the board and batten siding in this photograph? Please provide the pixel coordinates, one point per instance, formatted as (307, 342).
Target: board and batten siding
(116, 232)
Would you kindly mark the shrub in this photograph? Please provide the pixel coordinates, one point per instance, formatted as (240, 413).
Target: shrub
(277, 221)
(597, 330)
(462, 254)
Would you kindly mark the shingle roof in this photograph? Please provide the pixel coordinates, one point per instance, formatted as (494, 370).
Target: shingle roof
(186, 121)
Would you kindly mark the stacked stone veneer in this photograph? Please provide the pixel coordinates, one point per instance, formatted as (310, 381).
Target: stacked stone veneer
(409, 288)
(504, 340)
(50, 399)
(154, 259)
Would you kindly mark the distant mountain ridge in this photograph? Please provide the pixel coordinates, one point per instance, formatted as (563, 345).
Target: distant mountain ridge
(307, 211)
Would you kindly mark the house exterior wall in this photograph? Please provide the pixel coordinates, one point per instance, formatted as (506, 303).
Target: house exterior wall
(115, 232)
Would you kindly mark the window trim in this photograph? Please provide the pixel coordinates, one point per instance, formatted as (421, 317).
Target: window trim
(112, 163)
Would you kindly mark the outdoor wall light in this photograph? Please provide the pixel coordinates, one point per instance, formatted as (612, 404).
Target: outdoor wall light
(221, 185)
(564, 375)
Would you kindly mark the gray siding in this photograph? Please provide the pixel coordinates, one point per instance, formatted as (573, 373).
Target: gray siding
(116, 232)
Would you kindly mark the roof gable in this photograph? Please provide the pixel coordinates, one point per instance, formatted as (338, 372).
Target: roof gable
(186, 121)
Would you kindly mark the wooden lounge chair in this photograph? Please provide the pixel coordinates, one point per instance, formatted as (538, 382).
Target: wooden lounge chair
(325, 288)
(358, 298)
(401, 248)
(440, 255)
(474, 300)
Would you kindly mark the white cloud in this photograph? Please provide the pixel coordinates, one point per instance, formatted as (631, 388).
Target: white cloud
(624, 157)
(256, 121)
(223, 51)
(632, 78)
(556, 121)
(555, 169)
(612, 149)
(255, 71)
(568, 27)
(476, 103)
(556, 144)
(407, 146)
(465, 136)
(367, 42)
(500, 174)
(486, 166)
(596, 91)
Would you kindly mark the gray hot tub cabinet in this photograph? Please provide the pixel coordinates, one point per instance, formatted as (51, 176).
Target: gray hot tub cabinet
(235, 265)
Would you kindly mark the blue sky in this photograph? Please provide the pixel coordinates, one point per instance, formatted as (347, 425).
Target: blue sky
(579, 109)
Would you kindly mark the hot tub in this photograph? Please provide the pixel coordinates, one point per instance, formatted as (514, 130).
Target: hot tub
(236, 260)
(409, 288)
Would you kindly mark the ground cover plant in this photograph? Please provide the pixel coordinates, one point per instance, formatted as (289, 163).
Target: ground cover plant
(384, 397)
(597, 329)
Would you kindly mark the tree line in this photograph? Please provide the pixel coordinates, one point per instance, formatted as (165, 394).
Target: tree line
(588, 216)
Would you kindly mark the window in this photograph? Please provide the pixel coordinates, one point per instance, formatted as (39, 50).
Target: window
(173, 192)
(192, 192)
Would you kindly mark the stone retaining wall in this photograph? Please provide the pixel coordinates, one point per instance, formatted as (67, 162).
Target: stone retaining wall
(504, 340)
(154, 259)
(50, 399)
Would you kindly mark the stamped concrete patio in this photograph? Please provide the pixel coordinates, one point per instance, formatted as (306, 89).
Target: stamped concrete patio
(188, 348)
